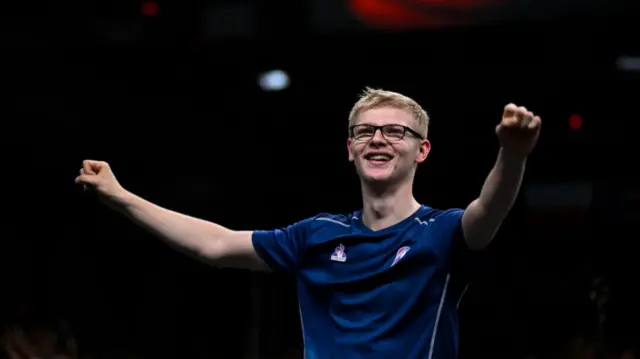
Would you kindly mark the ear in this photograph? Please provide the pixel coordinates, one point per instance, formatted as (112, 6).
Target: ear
(423, 151)
(349, 149)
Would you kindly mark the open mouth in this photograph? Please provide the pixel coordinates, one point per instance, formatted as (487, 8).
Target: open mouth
(378, 158)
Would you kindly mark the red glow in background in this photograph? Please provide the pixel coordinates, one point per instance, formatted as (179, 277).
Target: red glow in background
(413, 14)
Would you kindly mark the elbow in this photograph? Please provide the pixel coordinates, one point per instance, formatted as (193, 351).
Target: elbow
(479, 241)
(212, 251)
(479, 225)
(226, 249)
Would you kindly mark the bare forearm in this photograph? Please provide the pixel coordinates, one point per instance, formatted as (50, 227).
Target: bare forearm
(484, 216)
(194, 236)
(204, 240)
(501, 187)
(518, 133)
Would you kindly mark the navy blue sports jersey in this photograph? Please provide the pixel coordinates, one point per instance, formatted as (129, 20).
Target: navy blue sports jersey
(391, 293)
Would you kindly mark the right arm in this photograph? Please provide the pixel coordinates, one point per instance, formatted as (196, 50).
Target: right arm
(204, 240)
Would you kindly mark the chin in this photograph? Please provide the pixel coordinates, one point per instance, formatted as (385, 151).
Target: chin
(377, 177)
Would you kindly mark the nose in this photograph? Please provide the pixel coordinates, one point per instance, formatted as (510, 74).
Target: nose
(378, 138)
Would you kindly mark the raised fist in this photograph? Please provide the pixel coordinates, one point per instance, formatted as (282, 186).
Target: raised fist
(97, 176)
(519, 130)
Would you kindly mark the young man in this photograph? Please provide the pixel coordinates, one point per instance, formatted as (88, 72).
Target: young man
(381, 282)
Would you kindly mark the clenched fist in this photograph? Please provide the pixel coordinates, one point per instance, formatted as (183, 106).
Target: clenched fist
(519, 130)
(97, 176)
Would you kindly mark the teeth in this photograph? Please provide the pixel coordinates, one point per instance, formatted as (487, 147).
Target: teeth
(380, 157)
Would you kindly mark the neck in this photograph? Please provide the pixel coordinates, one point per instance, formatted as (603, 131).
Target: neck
(386, 207)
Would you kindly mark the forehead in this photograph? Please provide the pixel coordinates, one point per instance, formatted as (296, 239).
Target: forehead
(385, 115)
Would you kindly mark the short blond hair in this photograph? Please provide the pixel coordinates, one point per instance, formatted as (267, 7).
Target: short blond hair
(376, 98)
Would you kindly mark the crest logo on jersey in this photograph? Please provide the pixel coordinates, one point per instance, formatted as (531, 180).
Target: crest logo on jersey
(339, 255)
(400, 254)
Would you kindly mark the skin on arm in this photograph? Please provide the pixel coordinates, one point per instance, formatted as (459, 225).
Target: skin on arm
(484, 216)
(204, 240)
(518, 133)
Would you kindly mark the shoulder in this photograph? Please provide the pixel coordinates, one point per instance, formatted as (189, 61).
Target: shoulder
(441, 217)
(328, 220)
(322, 220)
(324, 226)
(432, 214)
(334, 218)
(442, 227)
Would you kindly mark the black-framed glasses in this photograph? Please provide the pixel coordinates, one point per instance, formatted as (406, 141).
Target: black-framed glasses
(389, 132)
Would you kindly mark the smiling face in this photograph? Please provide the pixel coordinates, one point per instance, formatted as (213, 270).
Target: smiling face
(385, 145)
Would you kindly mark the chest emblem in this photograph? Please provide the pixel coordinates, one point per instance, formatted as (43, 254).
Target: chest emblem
(400, 254)
(339, 254)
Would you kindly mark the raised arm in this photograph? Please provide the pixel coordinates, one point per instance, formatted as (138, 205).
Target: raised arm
(204, 240)
(518, 133)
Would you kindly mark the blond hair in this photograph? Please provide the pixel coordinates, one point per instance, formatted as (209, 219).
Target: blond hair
(376, 98)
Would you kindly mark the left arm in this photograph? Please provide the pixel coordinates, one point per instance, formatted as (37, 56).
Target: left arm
(483, 217)
(518, 133)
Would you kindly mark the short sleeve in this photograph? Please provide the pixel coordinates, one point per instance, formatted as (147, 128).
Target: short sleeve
(282, 249)
(451, 222)
(462, 262)
(465, 262)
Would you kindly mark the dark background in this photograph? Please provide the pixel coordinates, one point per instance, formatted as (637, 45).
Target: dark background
(172, 103)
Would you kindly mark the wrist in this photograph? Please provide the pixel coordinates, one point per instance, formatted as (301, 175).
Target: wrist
(511, 157)
(121, 200)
